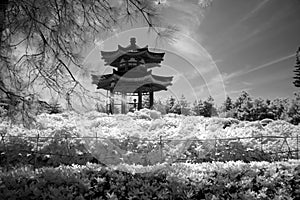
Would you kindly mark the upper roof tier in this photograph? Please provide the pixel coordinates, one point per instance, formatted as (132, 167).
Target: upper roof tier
(132, 54)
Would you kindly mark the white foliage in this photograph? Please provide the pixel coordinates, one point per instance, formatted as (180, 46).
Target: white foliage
(176, 131)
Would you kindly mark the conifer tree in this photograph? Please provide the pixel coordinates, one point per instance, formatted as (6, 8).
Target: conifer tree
(209, 109)
(294, 109)
(198, 108)
(146, 101)
(227, 108)
(184, 106)
(227, 105)
(297, 70)
(170, 104)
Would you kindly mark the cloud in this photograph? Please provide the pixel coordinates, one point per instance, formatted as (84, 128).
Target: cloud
(188, 48)
(270, 63)
(247, 83)
(254, 11)
(227, 77)
(271, 78)
(214, 85)
(238, 91)
(186, 15)
(191, 50)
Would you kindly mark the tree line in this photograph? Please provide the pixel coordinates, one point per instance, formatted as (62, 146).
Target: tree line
(244, 107)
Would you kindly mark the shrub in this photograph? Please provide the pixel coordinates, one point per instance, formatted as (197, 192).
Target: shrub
(216, 180)
(154, 114)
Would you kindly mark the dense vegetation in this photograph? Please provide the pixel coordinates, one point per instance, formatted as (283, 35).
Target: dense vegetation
(137, 154)
(245, 107)
(232, 180)
(144, 137)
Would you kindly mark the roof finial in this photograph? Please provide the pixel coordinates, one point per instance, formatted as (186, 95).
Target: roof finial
(132, 41)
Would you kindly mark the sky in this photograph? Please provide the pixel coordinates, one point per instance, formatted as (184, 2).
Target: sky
(255, 43)
(228, 47)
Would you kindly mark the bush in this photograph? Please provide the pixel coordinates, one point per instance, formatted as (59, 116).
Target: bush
(217, 180)
(137, 140)
(147, 114)
(154, 114)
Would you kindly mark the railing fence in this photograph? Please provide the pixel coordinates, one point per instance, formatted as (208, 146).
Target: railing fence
(287, 147)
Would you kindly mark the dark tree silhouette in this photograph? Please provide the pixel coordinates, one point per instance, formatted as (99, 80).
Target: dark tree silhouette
(198, 108)
(41, 41)
(297, 70)
(227, 105)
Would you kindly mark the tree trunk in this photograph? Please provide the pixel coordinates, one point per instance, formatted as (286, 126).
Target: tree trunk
(3, 7)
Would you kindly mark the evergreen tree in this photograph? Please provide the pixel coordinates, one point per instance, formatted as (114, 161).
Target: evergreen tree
(176, 108)
(209, 109)
(244, 96)
(297, 70)
(170, 103)
(294, 109)
(146, 101)
(260, 109)
(194, 108)
(198, 108)
(228, 105)
(245, 111)
(243, 106)
(160, 106)
(184, 106)
(227, 108)
(278, 109)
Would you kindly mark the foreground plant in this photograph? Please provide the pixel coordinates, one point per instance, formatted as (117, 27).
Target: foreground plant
(217, 180)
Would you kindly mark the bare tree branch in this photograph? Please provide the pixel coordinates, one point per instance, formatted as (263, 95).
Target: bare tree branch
(41, 40)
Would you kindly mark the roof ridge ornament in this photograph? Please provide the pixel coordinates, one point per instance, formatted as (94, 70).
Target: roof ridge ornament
(133, 41)
(132, 46)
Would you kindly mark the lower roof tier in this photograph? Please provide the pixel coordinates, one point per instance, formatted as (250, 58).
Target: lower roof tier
(117, 83)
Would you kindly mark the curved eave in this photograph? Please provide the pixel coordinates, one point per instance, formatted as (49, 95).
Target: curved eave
(145, 80)
(101, 78)
(132, 88)
(151, 87)
(113, 58)
(127, 84)
(163, 78)
(152, 65)
(132, 73)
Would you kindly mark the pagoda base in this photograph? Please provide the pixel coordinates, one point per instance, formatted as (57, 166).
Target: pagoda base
(122, 103)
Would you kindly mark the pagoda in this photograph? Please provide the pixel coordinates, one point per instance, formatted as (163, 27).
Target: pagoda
(131, 76)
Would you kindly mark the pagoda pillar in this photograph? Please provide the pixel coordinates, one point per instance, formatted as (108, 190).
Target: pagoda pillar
(123, 105)
(151, 98)
(140, 99)
(112, 102)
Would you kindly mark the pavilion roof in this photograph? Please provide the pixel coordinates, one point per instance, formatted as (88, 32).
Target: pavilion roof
(129, 83)
(113, 58)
